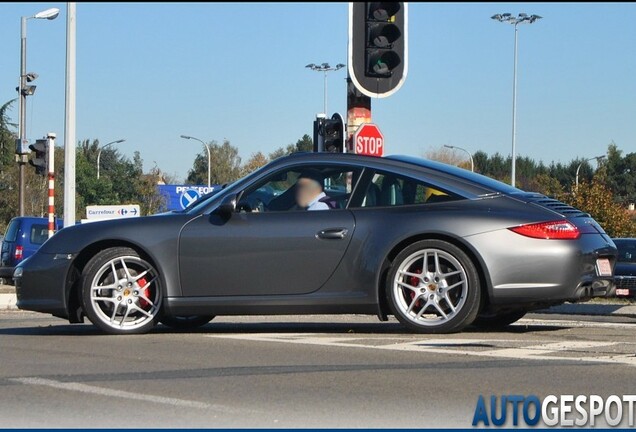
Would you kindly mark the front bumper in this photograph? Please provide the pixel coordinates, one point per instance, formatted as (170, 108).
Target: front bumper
(625, 286)
(43, 286)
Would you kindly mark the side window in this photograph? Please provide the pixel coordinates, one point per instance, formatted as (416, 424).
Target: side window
(286, 190)
(387, 189)
(39, 234)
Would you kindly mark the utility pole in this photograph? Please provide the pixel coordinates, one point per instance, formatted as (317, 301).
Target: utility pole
(69, 119)
(515, 21)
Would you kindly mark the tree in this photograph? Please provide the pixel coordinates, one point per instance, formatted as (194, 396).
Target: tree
(448, 156)
(255, 161)
(304, 144)
(225, 166)
(597, 199)
(8, 168)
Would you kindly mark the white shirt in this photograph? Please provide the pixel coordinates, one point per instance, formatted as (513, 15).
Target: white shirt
(316, 204)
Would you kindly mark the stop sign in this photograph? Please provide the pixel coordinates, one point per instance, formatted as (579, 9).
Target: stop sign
(368, 140)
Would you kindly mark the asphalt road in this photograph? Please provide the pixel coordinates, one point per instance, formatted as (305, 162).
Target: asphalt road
(345, 371)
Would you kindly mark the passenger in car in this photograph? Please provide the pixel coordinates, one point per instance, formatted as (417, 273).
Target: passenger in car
(310, 194)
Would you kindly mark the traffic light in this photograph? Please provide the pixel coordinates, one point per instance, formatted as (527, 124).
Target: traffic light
(334, 137)
(378, 55)
(40, 158)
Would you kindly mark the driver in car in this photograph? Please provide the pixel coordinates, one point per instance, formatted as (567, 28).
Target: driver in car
(310, 194)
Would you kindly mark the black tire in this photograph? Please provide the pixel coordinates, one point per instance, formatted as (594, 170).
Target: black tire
(185, 322)
(500, 320)
(130, 302)
(434, 289)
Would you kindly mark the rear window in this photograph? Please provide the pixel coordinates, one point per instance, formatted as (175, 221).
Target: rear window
(12, 231)
(39, 234)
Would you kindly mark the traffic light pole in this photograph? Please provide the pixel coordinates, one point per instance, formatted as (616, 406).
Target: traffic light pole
(51, 162)
(358, 112)
(20, 154)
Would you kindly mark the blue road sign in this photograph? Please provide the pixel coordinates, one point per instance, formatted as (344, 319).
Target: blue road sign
(173, 194)
(188, 197)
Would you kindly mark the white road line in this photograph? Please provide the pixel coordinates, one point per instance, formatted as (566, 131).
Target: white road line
(573, 323)
(538, 350)
(101, 391)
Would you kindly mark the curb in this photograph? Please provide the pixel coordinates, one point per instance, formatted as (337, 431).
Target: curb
(591, 309)
(7, 302)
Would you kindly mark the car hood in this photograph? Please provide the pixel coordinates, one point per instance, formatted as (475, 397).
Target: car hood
(142, 231)
(625, 269)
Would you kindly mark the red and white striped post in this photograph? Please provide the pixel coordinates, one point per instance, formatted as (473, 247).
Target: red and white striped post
(51, 162)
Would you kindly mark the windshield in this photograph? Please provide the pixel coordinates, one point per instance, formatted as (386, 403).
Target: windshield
(626, 250)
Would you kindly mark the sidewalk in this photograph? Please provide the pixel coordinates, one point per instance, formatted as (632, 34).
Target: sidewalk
(7, 297)
(8, 300)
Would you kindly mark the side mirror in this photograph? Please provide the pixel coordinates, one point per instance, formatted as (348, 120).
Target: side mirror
(227, 206)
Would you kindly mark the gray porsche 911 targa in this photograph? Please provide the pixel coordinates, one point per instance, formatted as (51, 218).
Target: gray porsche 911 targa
(438, 247)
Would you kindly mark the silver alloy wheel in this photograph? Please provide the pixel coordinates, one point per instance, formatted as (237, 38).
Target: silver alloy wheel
(430, 287)
(125, 293)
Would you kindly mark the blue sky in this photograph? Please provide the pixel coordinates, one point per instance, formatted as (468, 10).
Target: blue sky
(151, 72)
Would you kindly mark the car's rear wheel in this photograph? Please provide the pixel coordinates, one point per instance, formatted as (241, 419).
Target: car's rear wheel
(121, 291)
(433, 287)
(186, 322)
(498, 320)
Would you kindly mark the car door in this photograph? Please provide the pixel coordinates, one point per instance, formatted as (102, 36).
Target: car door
(254, 254)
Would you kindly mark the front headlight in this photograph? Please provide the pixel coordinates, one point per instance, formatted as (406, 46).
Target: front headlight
(17, 272)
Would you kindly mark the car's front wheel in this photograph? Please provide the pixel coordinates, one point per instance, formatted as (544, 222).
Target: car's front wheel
(433, 287)
(186, 322)
(121, 291)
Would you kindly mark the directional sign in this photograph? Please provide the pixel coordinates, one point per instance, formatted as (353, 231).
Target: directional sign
(102, 212)
(368, 140)
(188, 197)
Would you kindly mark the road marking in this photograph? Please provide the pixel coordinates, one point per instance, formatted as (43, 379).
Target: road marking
(573, 323)
(102, 391)
(580, 351)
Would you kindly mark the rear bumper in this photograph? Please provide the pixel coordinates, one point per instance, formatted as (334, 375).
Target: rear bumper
(526, 271)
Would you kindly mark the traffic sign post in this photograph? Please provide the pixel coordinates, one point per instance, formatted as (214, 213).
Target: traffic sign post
(368, 140)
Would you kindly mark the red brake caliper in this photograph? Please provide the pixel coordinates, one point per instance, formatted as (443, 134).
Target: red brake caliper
(414, 280)
(146, 291)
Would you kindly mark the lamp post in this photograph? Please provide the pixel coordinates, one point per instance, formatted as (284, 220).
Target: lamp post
(207, 148)
(99, 153)
(472, 164)
(522, 18)
(324, 68)
(24, 90)
(598, 161)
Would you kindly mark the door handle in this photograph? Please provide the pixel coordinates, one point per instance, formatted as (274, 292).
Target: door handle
(332, 233)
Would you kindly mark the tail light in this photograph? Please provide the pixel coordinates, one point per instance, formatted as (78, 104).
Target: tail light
(19, 251)
(554, 230)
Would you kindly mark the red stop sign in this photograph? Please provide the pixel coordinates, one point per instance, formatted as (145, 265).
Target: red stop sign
(368, 140)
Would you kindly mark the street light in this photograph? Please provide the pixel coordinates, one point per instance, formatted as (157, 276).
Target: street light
(522, 18)
(472, 165)
(25, 90)
(598, 161)
(99, 153)
(324, 68)
(207, 148)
